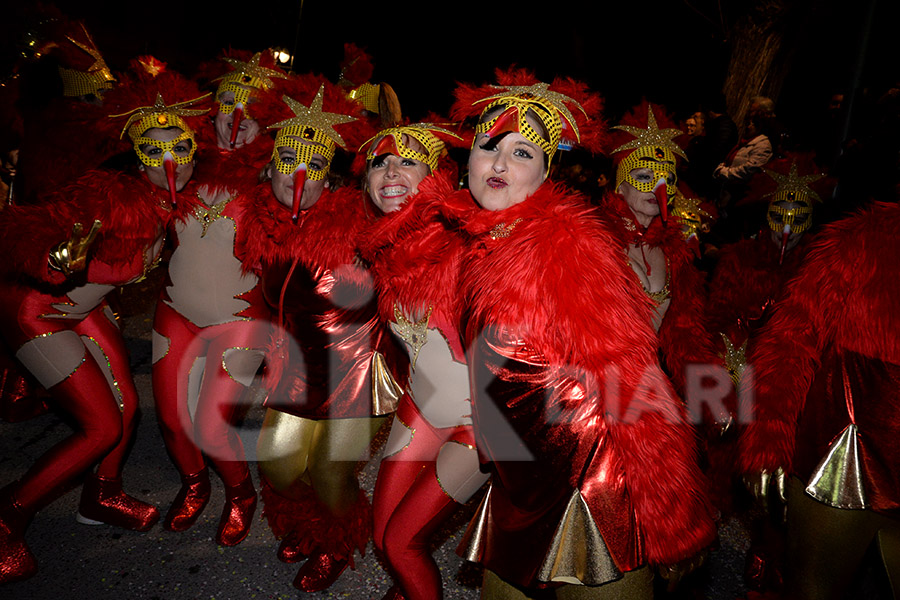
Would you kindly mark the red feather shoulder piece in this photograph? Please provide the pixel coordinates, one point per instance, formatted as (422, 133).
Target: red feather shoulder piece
(415, 258)
(324, 237)
(129, 208)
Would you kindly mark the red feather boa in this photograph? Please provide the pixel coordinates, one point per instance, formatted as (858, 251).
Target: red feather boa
(415, 260)
(684, 336)
(128, 206)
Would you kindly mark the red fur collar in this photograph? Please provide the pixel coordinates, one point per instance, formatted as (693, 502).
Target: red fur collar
(324, 237)
(415, 258)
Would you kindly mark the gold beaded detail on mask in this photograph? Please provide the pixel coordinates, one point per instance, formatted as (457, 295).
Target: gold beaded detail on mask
(367, 95)
(689, 212)
(792, 188)
(549, 107)
(161, 116)
(655, 149)
(313, 125)
(82, 83)
(245, 77)
(421, 132)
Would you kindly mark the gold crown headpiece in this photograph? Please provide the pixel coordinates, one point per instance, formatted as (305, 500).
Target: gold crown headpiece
(390, 141)
(162, 116)
(312, 124)
(792, 187)
(96, 78)
(548, 106)
(245, 76)
(655, 149)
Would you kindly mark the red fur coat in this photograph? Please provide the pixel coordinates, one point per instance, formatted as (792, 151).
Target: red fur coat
(829, 357)
(569, 401)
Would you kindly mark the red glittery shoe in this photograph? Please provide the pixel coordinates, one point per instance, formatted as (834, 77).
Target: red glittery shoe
(189, 502)
(103, 501)
(289, 550)
(16, 560)
(240, 505)
(319, 572)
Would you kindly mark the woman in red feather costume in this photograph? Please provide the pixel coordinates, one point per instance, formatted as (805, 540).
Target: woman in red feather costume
(331, 366)
(56, 318)
(654, 244)
(826, 372)
(593, 468)
(750, 274)
(430, 467)
(212, 323)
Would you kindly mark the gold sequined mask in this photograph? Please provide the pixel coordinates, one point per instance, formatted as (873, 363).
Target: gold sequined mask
(80, 83)
(513, 118)
(659, 159)
(161, 121)
(242, 86)
(654, 149)
(793, 188)
(317, 143)
(91, 82)
(390, 141)
(799, 217)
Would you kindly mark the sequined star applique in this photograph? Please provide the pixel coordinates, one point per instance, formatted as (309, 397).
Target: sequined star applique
(651, 136)
(793, 183)
(414, 333)
(314, 116)
(207, 215)
(253, 69)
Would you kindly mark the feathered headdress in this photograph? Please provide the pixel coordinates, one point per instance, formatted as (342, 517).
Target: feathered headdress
(567, 110)
(314, 117)
(645, 139)
(152, 96)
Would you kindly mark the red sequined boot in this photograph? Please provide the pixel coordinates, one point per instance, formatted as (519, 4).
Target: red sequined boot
(16, 560)
(335, 538)
(287, 515)
(103, 501)
(319, 572)
(189, 502)
(240, 505)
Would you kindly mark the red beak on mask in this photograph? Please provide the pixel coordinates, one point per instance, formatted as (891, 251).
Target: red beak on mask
(662, 198)
(170, 166)
(386, 145)
(299, 181)
(784, 240)
(236, 124)
(508, 121)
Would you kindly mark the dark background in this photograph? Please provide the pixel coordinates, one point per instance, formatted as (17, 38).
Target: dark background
(674, 52)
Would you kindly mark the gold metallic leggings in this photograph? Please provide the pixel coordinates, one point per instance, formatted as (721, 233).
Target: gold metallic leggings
(635, 585)
(826, 546)
(323, 454)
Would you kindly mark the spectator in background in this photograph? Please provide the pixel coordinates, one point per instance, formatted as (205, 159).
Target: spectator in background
(747, 159)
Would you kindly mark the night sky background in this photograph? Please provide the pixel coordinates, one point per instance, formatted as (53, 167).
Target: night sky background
(674, 52)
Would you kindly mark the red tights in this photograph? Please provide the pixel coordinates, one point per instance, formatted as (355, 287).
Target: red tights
(212, 430)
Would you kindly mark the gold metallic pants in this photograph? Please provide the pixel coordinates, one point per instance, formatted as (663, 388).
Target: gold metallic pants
(323, 454)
